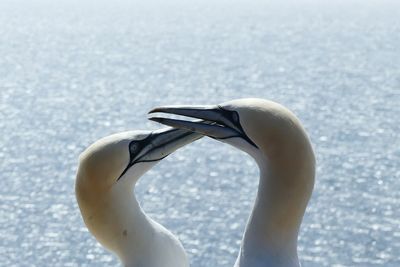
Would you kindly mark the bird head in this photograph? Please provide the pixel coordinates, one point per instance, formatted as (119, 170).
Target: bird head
(262, 128)
(110, 167)
(275, 138)
(125, 157)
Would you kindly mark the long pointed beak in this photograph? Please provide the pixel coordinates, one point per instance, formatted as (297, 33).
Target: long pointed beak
(216, 122)
(158, 145)
(163, 142)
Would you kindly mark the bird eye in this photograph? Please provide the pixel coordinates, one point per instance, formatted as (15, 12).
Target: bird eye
(134, 148)
(235, 117)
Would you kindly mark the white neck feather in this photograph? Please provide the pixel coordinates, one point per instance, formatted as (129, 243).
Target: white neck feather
(136, 239)
(131, 226)
(270, 237)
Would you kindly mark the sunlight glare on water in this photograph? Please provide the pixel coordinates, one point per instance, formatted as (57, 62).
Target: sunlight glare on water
(71, 73)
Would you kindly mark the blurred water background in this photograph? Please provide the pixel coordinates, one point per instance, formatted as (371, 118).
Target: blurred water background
(72, 72)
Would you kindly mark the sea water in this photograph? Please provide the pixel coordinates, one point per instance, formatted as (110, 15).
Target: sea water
(72, 72)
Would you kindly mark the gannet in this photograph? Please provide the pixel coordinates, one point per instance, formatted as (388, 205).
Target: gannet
(107, 173)
(275, 138)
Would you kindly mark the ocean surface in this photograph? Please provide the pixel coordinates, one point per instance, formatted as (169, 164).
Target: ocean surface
(72, 72)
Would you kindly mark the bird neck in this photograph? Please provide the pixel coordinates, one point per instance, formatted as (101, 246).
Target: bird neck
(140, 240)
(272, 230)
(131, 227)
(116, 219)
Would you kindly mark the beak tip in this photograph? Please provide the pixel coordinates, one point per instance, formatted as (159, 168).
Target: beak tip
(162, 109)
(156, 119)
(154, 110)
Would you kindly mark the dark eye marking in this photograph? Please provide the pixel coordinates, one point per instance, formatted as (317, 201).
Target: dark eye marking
(134, 147)
(233, 116)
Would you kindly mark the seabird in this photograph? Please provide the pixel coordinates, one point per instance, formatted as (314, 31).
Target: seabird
(277, 141)
(107, 173)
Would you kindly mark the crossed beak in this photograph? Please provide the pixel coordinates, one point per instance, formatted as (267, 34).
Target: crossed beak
(158, 145)
(215, 121)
